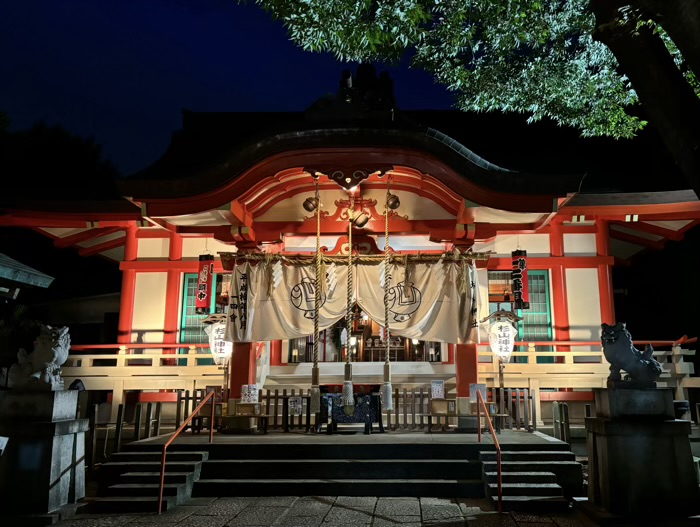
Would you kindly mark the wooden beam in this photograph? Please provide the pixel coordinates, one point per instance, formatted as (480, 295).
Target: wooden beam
(652, 229)
(241, 214)
(84, 236)
(649, 211)
(271, 230)
(568, 262)
(13, 220)
(637, 240)
(102, 247)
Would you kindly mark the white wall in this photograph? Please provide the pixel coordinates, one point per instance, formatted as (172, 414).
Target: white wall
(504, 244)
(579, 245)
(583, 297)
(193, 247)
(153, 247)
(149, 307)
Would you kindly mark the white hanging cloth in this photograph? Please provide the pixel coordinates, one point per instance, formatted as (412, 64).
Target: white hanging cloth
(434, 303)
(260, 311)
(427, 306)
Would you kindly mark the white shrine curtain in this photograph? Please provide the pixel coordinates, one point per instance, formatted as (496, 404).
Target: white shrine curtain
(427, 300)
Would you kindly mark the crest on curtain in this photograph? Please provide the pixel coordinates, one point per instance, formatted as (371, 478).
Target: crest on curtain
(404, 300)
(303, 297)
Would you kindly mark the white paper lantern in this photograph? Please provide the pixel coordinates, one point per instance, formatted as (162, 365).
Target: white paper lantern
(502, 339)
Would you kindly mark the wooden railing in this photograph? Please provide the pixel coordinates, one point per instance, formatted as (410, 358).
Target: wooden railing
(481, 406)
(177, 432)
(579, 368)
(573, 364)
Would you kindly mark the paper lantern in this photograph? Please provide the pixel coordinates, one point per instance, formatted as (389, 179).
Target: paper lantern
(502, 339)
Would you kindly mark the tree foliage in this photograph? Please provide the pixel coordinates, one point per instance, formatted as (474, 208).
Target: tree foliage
(68, 166)
(536, 57)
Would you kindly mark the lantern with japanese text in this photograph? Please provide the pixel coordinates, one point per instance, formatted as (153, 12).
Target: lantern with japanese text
(521, 298)
(220, 348)
(205, 279)
(502, 339)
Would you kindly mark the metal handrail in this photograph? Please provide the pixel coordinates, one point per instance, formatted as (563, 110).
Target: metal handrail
(210, 395)
(499, 468)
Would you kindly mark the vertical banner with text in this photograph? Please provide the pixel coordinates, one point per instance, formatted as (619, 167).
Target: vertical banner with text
(205, 278)
(521, 298)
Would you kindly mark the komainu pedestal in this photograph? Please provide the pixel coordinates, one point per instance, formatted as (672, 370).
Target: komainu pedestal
(43, 466)
(639, 458)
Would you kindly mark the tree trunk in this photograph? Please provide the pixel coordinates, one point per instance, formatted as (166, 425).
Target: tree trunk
(681, 20)
(668, 99)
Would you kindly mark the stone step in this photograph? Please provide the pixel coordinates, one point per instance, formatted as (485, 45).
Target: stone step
(110, 473)
(144, 489)
(527, 455)
(115, 468)
(447, 488)
(569, 474)
(342, 468)
(175, 455)
(539, 504)
(130, 504)
(154, 477)
(526, 489)
(180, 490)
(521, 477)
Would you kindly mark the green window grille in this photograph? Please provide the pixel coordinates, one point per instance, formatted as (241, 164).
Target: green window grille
(191, 323)
(536, 323)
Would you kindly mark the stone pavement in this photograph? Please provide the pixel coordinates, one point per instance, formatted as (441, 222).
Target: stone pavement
(324, 511)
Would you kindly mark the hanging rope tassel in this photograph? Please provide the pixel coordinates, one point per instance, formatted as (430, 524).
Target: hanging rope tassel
(387, 400)
(388, 403)
(348, 392)
(315, 399)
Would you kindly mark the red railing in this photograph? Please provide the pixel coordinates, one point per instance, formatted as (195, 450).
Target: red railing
(210, 395)
(499, 469)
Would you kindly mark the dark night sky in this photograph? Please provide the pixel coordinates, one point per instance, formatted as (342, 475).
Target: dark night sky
(121, 71)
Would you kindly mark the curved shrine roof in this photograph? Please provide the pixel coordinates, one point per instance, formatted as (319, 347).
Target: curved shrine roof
(215, 148)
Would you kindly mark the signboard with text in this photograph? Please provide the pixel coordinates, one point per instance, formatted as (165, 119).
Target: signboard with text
(205, 277)
(521, 297)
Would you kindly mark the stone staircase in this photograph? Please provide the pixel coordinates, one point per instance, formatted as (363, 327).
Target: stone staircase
(359, 469)
(542, 480)
(535, 480)
(130, 480)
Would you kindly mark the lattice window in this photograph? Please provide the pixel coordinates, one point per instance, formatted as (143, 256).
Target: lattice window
(537, 321)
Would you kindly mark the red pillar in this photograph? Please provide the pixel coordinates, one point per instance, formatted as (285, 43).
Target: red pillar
(128, 293)
(275, 353)
(450, 354)
(559, 295)
(172, 297)
(466, 370)
(240, 365)
(607, 301)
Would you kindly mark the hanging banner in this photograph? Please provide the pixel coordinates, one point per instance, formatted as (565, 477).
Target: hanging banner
(427, 301)
(519, 276)
(502, 339)
(205, 277)
(217, 344)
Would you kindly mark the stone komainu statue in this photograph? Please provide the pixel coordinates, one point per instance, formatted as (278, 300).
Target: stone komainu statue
(641, 367)
(41, 368)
